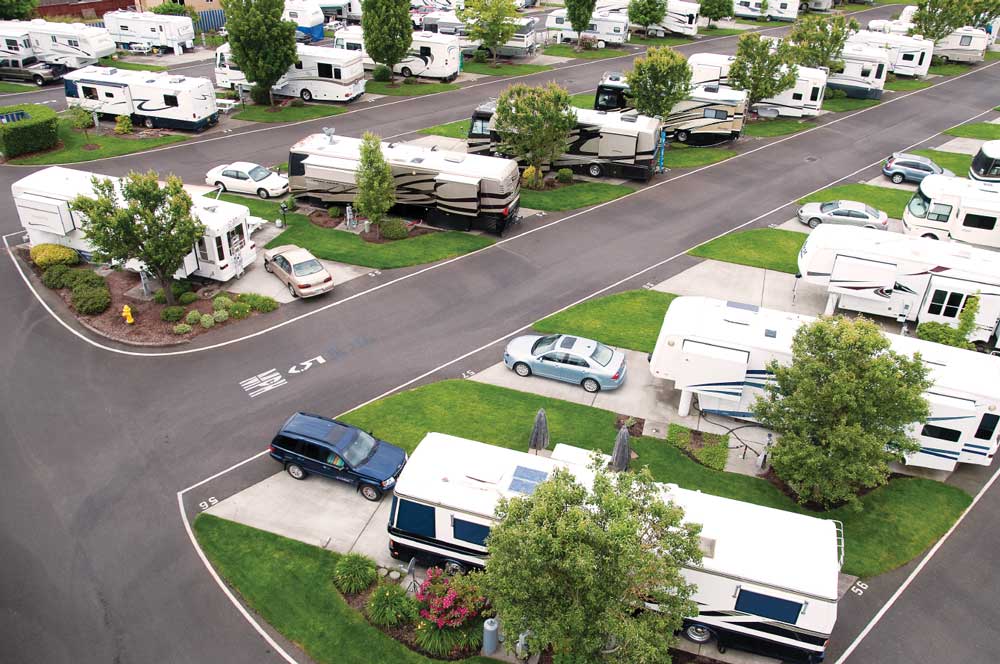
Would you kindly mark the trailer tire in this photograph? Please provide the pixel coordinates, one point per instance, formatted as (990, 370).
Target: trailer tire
(522, 369)
(148, 123)
(595, 170)
(814, 222)
(897, 178)
(306, 95)
(39, 81)
(698, 633)
(601, 43)
(406, 72)
(683, 136)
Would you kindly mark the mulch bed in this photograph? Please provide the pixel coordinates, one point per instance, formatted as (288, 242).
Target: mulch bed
(781, 486)
(635, 430)
(324, 220)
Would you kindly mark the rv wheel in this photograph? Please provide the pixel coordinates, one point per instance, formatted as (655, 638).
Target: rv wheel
(39, 81)
(683, 136)
(698, 633)
(590, 385)
(370, 493)
(897, 178)
(454, 568)
(148, 123)
(306, 95)
(814, 222)
(405, 71)
(522, 369)
(262, 193)
(296, 471)
(595, 170)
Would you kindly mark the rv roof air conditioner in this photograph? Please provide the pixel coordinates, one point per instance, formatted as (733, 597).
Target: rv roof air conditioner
(629, 118)
(415, 160)
(455, 158)
(714, 87)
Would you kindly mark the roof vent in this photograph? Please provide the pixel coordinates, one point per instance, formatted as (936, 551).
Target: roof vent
(771, 334)
(712, 87)
(707, 546)
(417, 160)
(455, 158)
(629, 118)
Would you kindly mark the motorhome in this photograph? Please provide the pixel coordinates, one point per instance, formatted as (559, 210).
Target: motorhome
(43, 202)
(307, 16)
(862, 73)
(603, 144)
(521, 44)
(815, 5)
(770, 10)
(908, 56)
(767, 581)
(945, 207)
(448, 189)
(720, 351)
(986, 164)
(804, 99)
(321, 73)
(911, 279)
(151, 99)
(680, 18)
(158, 31)
(227, 72)
(965, 44)
(605, 28)
(431, 55)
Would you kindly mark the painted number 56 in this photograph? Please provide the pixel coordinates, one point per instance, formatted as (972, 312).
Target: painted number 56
(205, 504)
(859, 588)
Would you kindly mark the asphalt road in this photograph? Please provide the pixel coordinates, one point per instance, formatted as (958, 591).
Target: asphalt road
(98, 444)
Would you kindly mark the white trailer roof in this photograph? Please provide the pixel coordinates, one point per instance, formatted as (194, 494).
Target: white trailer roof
(124, 15)
(338, 56)
(618, 121)
(112, 75)
(724, 62)
(13, 29)
(865, 53)
(65, 29)
(889, 38)
(973, 192)
(720, 94)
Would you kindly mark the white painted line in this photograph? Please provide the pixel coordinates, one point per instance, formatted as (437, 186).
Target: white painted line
(223, 472)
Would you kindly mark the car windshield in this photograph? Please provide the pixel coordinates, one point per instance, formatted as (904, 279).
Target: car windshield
(602, 355)
(305, 268)
(918, 205)
(30, 60)
(359, 449)
(258, 173)
(832, 205)
(544, 344)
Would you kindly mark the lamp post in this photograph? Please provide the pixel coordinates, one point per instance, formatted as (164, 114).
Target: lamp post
(284, 209)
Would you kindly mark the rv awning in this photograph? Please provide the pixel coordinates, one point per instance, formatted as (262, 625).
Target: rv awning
(863, 278)
(713, 370)
(330, 169)
(457, 179)
(333, 4)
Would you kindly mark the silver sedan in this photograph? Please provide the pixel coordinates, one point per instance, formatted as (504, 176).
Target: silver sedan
(584, 362)
(849, 213)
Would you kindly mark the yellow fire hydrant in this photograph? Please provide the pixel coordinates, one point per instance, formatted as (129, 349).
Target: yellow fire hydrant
(127, 315)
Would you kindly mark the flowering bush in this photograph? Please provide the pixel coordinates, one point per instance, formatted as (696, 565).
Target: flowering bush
(449, 601)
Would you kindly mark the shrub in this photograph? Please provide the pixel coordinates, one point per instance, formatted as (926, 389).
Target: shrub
(438, 642)
(260, 95)
(171, 314)
(47, 255)
(221, 316)
(940, 333)
(38, 131)
(55, 276)
(354, 573)
(82, 277)
(393, 228)
(449, 601)
(531, 178)
(389, 606)
(409, 81)
(297, 103)
(831, 93)
(239, 310)
(479, 56)
(564, 175)
(221, 303)
(193, 317)
(381, 73)
(89, 300)
(257, 302)
(334, 211)
(182, 328)
(178, 287)
(123, 124)
(206, 321)
(187, 298)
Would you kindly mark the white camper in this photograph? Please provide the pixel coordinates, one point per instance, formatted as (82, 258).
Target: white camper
(606, 28)
(985, 165)
(720, 352)
(522, 44)
(431, 55)
(227, 72)
(767, 581)
(776, 10)
(863, 73)
(158, 31)
(945, 207)
(151, 99)
(965, 44)
(42, 201)
(681, 17)
(908, 56)
(711, 112)
(342, 10)
(14, 40)
(815, 5)
(804, 99)
(72, 45)
(307, 16)
(321, 73)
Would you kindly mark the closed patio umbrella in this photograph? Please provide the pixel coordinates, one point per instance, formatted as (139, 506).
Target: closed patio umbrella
(621, 455)
(539, 439)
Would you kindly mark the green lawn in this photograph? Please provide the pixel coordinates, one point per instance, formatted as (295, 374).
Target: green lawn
(72, 149)
(571, 197)
(769, 128)
(992, 55)
(907, 84)
(583, 100)
(719, 32)
(844, 104)
(890, 201)
(713, 453)
(763, 24)
(287, 113)
(125, 64)
(602, 318)
(898, 522)
(567, 51)
(404, 90)
(955, 162)
(456, 129)
(951, 69)
(265, 209)
(984, 131)
(6, 87)
(658, 41)
(679, 155)
(769, 248)
(505, 68)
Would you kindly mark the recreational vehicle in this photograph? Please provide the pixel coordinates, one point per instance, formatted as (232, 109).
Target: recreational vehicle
(965, 44)
(151, 99)
(681, 17)
(603, 144)
(448, 189)
(815, 5)
(605, 28)
(804, 99)
(908, 56)
(431, 55)
(720, 351)
(227, 72)
(911, 279)
(521, 44)
(863, 72)
(14, 40)
(767, 581)
(342, 10)
(951, 207)
(43, 202)
(307, 16)
(323, 73)
(69, 45)
(775, 10)
(158, 31)
(986, 164)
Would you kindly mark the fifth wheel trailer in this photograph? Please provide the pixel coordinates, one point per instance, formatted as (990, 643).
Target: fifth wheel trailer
(985, 165)
(680, 18)
(160, 31)
(65, 45)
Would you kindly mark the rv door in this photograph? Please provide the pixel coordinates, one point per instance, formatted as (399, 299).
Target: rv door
(45, 214)
(863, 278)
(714, 370)
(457, 194)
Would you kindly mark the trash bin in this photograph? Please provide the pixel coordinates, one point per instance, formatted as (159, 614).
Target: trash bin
(491, 630)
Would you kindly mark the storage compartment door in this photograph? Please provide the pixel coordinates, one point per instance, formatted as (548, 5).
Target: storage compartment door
(619, 147)
(873, 280)
(457, 194)
(713, 370)
(323, 169)
(44, 214)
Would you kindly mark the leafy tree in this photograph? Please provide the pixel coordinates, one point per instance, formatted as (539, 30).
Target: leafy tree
(175, 9)
(818, 40)
(491, 22)
(388, 30)
(262, 43)
(936, 19)
(573, 566)
(841, 409)
(579, 12)
(81, 119)
(646, 12)
(659, 80)
(17, 9)
(533, 123)
(957, 336)
(148, 222)
(982, 12)
(716, 10)
(761, 71)
(376, 186)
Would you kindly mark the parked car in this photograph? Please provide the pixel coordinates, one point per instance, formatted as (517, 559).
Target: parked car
(905, 167)
(302, 38)
(27, 69)
(302, 274)
(584, 362)
(247, 178)
(319, 445)
(333, 25)
(850, 213)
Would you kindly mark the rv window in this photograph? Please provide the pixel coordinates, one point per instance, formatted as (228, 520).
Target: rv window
(954, 305)
(236, 238)
(153, 29)
(392, 511)
(425, 51)
(866, 72)
(879, 72)
(12, 44)
(987, 426)
(124, 28)
(480, 127)
(203, 249)
(908, 57)
(714, 113)
(73, 42)
(941, 433)
(4, 63)
(353, 46)
(965, 41)
(293, 15)
(768, 607)
(921, 61)
(617, 29)
(89, 92)
(744, 3)
(783, 5)
(979, 221)
(470, 532)
(325, 70)
(336, 73)
(797, 96)
(220, 250)
(592, 27)
(560, 20)
(415, 518)
(298, 65)
(170, 100)
(109, 95)
(937, 302)
(918, 205)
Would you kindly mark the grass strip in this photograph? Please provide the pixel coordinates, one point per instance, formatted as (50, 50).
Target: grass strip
(602, 318)
(890, 201)
(287, 113)
(573, 196)
(845, 104)
(768, 248)
(984, 131)
(907, 84)
(456, 129)
(73, 147)
(679, 155)
(107, 61)
(779, 127)
(567, 51)
(505, 68)
(407, 90)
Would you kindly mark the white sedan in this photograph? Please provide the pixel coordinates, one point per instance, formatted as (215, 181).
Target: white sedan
(247, 178)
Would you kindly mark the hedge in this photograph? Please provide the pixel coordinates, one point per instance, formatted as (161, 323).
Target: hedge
(46, 255)
(37, 132)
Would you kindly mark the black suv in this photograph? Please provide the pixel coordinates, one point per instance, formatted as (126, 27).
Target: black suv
(27, 69)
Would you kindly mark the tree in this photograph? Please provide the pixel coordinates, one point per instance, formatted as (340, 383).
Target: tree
(841, 409)
(17, 9)
(388, 30)
(533, 123)
(490, 22)
(579, 13)
(982, 13)
(948, 335)
(818, 40)
(262, 43)
(936, 19)
(716, 10)
(644, 13)
(147, 222)
(659, 80)
(574, 567)
(81, 119)
(761, 69)
(175, 9)
(376, 186)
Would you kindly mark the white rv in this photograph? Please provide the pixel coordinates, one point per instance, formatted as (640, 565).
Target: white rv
(523, 43)
(776, 10)
(985, 165)
(151, 99)
(965, 44)
(71, 45)
(606, 28)
(448, 189)
(681, 17)
(804, 99)
(863, 73)
(158, 31)
(767, 581)
(946, 207)
(307, 16)
(341, 10)
(720, 352)
(42, 200)
(815, 5)
(14, 40)
(431, 55)
(910, 279)
(908, 56)
(322, 73)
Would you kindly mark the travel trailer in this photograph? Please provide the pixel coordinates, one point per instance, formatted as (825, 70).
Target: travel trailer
(815, 5)
(151, 99)
(158, 31)
(520, 45)
(908, 56)
(431, 55)
(804, 99)
(14, 40)
(60, 45)
(342, 10)
(946, 207)
(449, 189)
(864, 71)
(307, 16)
(720, 352)
(986, 164)
(776, 10)
(227, 73)
(965, 44)
(322, 73)
(43, 202)
(603, 144)
(910, 279)
(681, 17)
(606, 28)
(767, 581)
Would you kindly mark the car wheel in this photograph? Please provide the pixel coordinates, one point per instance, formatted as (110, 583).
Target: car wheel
(814, 222)
(148, 123)
(698, 633)
(371, 493)
(221, 186)
(296, 471)
(39, 81)
(930, 236)
(267, 267)
(595, 170)
(454, 568)
(522, 369)
(306, 95)
(591, 385)
(897, 178)
(262, 193)
(406, 72)
(291, 291)
(683, 136)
